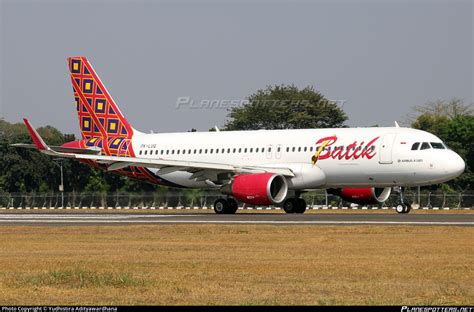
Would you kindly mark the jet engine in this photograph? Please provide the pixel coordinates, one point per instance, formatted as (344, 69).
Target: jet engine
(258, 188)
(363, 195)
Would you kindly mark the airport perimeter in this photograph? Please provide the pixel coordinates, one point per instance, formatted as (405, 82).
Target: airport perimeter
(204, 201)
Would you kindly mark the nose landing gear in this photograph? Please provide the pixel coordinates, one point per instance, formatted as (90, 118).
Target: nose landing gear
(403, 205)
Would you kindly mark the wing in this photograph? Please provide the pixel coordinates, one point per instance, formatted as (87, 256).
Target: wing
(62, 149)
(198, 169)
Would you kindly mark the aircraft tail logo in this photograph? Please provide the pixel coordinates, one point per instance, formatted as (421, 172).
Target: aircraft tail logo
(99, 116)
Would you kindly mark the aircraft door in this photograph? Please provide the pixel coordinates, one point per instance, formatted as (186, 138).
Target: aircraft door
(278, 151)
(385, 156)
(269, 151)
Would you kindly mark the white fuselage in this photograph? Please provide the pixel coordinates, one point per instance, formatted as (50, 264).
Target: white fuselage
(352, 157)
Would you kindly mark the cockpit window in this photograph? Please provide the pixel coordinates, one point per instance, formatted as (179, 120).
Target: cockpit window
(415, 146)
(437, 145)
(425, 145)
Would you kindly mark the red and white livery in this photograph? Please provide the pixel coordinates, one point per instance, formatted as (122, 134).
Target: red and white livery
(262, 167)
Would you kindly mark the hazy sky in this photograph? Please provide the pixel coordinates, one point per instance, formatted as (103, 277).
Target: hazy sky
(380, 57)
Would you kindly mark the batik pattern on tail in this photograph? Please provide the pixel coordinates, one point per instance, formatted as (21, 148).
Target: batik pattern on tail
(101, 122)
(98, 114)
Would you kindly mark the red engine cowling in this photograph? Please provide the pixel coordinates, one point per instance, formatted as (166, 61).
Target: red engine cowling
(363, 195)
(258, 188)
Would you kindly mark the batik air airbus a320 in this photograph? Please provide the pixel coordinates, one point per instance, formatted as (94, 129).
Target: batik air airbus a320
(263, 167)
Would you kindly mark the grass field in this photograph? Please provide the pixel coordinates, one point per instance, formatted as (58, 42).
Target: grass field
(236, 264)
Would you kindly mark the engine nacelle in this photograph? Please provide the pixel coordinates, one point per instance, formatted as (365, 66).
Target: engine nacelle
(258, 188)
(363, 195)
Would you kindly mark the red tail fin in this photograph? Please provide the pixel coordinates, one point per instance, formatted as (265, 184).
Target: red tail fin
(98, 114)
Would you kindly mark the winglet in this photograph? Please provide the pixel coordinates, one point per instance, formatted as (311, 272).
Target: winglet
(35, 136)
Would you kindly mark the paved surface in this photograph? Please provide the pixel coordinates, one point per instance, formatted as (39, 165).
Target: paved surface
(240, 218)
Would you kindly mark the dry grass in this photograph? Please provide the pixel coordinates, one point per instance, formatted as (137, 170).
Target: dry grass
(236, 264)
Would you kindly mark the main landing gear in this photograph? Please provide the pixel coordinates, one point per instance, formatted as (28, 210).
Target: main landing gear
(225, 206)
(294, 205)
(403, 206)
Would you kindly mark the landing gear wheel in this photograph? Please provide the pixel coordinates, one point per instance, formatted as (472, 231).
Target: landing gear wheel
(221, 206)
(403, 208)
(300, 205)
(290, 205)
(400, 208)
(403, 205)
(233, 206)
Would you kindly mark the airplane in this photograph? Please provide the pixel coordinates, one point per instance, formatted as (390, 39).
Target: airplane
(260, 167)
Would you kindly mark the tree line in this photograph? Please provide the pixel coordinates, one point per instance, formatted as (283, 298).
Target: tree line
(275, 107)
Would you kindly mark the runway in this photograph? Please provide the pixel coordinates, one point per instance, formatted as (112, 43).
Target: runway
(240, 218)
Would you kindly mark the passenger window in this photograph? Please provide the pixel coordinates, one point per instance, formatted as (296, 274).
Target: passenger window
(184, 151)
(436, 145)
(161, 152)
(223, 151)
(245, 150)
(251, 150)
(233, 151)
(372, 147)
(311, 149)
(256, 150)
(172, 152)
(228, 151)
(205, 151)
(200, 151)
(293, 149)
(146, 152)
(211, 150)
(167, 152)
(177, 151)
(305, 148)
(278, 149)
(425, 145)
(415, 146)
(140, 152)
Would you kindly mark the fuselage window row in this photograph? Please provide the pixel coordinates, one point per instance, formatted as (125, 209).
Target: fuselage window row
(424, 145)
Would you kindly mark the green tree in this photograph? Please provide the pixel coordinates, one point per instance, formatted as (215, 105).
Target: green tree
(286, 107)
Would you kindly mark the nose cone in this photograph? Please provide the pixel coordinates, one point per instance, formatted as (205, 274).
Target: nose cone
(456, 165)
